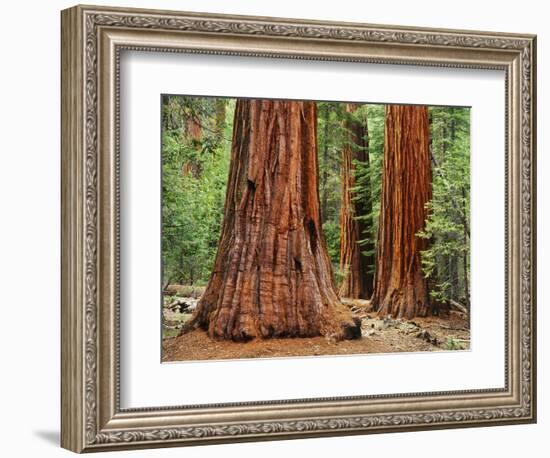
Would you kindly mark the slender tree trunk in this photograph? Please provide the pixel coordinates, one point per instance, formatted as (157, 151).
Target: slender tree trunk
(453, 259)
(272, 275)
(220, 119)
(465, 267)
(358, 281)
(400, 288)
(454, 278)
(324, 177)
(192, 129)
(165, 113)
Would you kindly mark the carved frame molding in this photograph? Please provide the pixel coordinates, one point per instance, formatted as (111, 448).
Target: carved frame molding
(92, 39)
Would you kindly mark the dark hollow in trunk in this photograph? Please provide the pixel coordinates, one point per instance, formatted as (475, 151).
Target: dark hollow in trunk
(400, 288)
(358, 281)
(272, 275)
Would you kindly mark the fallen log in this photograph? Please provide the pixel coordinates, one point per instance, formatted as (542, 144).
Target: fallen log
(182, 305)
(458, 306)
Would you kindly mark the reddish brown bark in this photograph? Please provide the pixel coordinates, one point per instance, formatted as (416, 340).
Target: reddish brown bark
(193, 131)
(358, 281)
(220, 119)
(272, 275)
(400, 288)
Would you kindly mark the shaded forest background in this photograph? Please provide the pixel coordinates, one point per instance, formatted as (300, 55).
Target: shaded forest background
(196, 148)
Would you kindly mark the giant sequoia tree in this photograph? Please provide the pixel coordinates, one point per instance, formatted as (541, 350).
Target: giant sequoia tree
(401, 289)
(272, 275)
(355, 213)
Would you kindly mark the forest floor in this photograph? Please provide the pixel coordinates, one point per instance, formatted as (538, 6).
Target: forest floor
(379, 335)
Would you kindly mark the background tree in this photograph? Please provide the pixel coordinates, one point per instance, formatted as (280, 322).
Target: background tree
(368, 181)
(195, 160)
(272, 276)
(355, 211)
(401, 290)
(331, 136)
(447, 260)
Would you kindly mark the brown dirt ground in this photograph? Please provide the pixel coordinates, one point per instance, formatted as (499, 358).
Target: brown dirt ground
(439, 333)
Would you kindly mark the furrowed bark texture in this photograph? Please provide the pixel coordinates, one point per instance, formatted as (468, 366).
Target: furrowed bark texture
(400, 288)
(272, 275)
(358, 282)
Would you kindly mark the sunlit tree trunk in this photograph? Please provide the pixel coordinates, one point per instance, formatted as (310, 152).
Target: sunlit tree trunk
(358, 280)
(193, 131)
(272, 275)
(400, 288)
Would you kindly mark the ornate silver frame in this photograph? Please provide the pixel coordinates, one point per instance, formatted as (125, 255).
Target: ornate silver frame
(92, 38)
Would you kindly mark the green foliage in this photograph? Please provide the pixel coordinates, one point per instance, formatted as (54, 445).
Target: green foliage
(454, 344)
(368, 175)
(331, 229)
(339, 275)
(446, 262)
(330, 139)
(194, 173)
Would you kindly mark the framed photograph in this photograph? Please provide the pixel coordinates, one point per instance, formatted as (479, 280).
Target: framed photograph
(279, 228)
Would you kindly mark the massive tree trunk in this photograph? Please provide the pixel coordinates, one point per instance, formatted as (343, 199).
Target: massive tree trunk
(272, 276)
(400, 288)
(358, 281)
